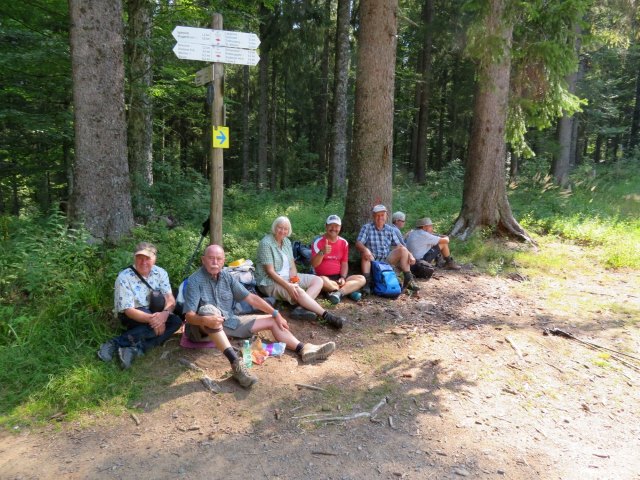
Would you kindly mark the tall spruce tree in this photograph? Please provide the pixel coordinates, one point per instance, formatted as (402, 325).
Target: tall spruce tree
(102, 195)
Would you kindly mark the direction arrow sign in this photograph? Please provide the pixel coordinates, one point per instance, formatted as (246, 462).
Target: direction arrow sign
(221, 137)
(220, 38)
(205, 53)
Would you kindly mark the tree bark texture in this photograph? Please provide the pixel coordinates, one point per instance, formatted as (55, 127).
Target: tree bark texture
(634, 137)
(561, 164)
(263, 124)
(102, 190)
(420, 167)
(484, 200)
(245, 126)
(140, 120)
(338, 168)
(370, 175)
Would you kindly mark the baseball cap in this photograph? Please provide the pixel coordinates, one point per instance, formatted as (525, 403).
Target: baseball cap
(147, 249)
(398, 216)
(379, 208)
(333, 219)
(423, 222)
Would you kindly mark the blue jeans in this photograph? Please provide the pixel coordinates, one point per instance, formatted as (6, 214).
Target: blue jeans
(141, 335)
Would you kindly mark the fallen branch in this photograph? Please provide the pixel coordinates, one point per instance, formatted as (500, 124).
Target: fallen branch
(135, 418)
(348, 417)
(210, 385)
(515, 348)
(310, 387)
(190, 365)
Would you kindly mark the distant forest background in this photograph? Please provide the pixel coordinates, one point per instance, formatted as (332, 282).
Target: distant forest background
(573, 96)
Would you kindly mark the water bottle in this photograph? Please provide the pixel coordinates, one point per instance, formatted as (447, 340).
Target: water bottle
(246, 354)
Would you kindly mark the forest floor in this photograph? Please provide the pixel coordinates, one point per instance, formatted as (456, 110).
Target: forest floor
(473, 387)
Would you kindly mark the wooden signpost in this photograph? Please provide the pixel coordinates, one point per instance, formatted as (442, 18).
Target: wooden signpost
(220, 47)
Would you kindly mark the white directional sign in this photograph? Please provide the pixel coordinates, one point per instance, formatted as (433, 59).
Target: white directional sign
(206, 53)
(220, 38)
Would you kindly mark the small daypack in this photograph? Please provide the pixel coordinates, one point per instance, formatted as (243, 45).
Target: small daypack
(244, 273)
(422, 269)
(385, 281)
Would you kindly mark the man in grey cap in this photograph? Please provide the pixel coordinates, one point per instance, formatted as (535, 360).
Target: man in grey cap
(374, 243)
(398, 220)
(426, 245)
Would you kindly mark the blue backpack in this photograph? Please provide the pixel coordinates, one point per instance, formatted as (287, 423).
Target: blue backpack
(385, 281)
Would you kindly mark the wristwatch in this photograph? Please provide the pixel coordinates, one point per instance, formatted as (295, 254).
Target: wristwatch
(275, 312)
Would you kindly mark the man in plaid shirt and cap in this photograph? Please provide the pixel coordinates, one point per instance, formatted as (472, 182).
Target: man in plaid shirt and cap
(374, 243)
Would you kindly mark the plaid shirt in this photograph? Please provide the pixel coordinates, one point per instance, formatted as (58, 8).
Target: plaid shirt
(203, 289)
(270, 253)
(379, 241)
(130, 292)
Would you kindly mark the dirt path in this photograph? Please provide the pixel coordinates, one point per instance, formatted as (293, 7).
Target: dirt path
(473, 387)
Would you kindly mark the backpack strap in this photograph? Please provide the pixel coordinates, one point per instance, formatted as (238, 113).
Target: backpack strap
(141, 277)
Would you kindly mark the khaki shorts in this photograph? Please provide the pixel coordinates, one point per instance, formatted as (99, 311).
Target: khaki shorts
(280, 293)
(243, 330)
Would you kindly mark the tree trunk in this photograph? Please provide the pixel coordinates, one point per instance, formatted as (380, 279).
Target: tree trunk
(139, 121)
(634, 137)
(371, 168)
(561, 164)
(484, 200)
(425, 95)
(321, 146)
(273, 127)
(338, 169)
(102, 190)
(263, 123)
(245, 126)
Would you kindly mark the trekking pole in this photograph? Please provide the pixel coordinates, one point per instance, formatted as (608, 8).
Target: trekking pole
(205, 231)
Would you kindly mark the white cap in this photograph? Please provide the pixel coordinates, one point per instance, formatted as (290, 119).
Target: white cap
(379, 208)
(333, 219)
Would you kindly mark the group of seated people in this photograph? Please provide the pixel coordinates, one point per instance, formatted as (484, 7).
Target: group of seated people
(211, 291)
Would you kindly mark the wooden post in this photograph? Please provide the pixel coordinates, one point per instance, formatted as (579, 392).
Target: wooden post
(217, 159)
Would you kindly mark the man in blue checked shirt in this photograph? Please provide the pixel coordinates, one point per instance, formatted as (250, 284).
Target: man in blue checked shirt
(374, 243)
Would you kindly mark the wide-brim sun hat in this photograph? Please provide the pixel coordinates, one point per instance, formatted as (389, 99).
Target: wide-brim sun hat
(423, 222)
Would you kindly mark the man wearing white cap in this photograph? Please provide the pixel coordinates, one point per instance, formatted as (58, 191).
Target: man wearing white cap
(374, 243)
(425, 244)
(330, 260)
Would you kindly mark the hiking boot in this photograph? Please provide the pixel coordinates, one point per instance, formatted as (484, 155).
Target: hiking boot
(450, 264)
(242, 375)
(334, 297)
(300, 313)
(311, 353)
(107, 350)
(355, 296)
(366, 290)
(409, 283)
(127, 355)
(333, 320)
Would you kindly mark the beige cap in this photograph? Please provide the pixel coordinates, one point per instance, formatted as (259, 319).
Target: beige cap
(379, 208)
(423, 222)
(147, 249)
